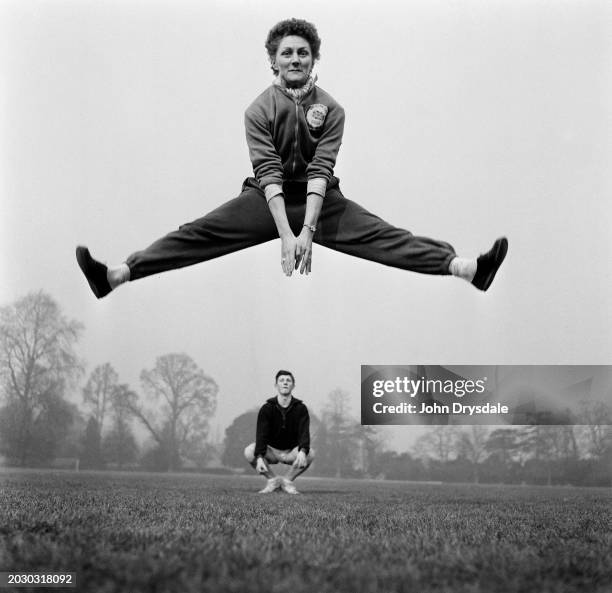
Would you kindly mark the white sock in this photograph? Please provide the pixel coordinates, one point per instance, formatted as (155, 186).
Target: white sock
(463, 267)
(117, 275)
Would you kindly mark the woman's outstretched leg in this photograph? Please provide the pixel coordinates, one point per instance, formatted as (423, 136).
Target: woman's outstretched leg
(348, 227)
(242, 222)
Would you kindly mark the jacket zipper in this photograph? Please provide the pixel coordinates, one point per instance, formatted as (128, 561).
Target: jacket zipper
(295, 143)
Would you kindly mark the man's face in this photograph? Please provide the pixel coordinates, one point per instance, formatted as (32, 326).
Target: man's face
(284, 385)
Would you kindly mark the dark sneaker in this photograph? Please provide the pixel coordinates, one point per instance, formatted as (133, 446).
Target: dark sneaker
(489, 263)
(94, 271)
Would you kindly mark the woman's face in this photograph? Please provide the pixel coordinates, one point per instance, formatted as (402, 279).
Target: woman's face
(294, 61)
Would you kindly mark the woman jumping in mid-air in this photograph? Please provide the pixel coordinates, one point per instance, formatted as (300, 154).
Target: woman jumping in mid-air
(294, 131)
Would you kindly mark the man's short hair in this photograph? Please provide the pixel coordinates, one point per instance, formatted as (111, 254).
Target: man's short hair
(281, 372)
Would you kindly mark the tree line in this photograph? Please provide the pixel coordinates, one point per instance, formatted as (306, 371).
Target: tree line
(39, 426)
(538, 454)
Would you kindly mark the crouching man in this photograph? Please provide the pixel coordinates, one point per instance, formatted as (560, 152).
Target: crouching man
(282, 436)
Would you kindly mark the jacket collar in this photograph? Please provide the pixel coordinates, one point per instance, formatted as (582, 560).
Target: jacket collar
(294, 400)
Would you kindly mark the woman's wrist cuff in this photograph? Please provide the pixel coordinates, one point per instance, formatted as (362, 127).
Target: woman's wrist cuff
(272, 190)
(317, 185)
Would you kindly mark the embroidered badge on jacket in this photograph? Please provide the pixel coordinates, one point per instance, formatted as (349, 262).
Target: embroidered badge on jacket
(315, 116)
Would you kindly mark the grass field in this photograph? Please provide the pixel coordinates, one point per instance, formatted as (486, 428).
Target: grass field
(185, 533)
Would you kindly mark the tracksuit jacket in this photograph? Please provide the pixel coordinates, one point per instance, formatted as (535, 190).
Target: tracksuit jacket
(293, 140)
(282, 428)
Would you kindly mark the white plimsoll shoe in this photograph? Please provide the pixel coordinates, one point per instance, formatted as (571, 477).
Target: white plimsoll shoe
(272, 485)
(288, 486)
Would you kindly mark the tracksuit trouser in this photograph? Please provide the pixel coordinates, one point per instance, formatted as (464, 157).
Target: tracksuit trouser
(246, 221)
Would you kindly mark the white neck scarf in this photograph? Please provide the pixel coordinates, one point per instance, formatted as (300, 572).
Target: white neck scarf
(297, 94)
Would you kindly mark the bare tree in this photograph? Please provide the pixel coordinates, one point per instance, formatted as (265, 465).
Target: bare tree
(37, 362)
(472, 445)
(545, 445)
(596, 416)
(439, 443)
(187, 399)
(503, 448)
(122, 402)
(337, 435)
(119, 445)
(91, 449)
(98, 392)
(370, 446)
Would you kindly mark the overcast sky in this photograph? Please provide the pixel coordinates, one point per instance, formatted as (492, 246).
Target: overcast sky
(467, 120)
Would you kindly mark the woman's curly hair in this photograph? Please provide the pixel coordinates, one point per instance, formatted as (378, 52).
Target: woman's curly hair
(298, 27)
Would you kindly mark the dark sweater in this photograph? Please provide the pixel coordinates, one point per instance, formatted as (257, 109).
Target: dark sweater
(282, 428)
